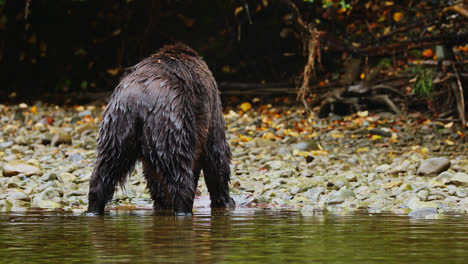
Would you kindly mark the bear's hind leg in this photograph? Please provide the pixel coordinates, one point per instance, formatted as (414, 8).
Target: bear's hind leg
(157, 187)
(116, 156)
(170, 156)
(216, 165)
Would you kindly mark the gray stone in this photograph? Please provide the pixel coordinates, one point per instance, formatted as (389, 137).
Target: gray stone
(309, 210)
(260, 143)
(306, 145)
(294, 190)
(47, 204)
(340, 196)
(61, 138)
(314, 193)
(433, 166)
(6, 144)
(50, 176)
(85, 113)
(277, 165)
(16, 167)
(422, 212)
(85, 127)
(414, 204)
(18, 195)
(66, 177)
(459, 179)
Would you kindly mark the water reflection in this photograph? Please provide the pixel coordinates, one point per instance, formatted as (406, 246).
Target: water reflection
(240, 236)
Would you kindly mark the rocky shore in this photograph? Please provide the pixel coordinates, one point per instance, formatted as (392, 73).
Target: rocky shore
(283, 156)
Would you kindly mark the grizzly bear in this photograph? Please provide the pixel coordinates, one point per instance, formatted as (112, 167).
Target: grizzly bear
(166, 111)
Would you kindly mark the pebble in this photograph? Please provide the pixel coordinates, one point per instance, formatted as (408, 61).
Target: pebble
(16, 167)
(422, 212)
(459, 179)
(433, 166)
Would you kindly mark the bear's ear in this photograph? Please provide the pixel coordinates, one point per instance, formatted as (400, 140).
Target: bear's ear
(178, 47)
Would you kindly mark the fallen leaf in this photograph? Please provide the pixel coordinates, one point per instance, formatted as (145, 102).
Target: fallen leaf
(397, 16)
(33, 110)
(245, 106)
(428, 53)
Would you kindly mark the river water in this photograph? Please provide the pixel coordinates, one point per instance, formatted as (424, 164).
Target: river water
(240, 236)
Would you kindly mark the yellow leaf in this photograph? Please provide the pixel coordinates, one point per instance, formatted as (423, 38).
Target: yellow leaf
(424, 150)
(392, 184)
(33, 110)
(336, 135)
(319, 152)
(297, 152)
(245, 106)
(449, 142)
(268, 135)
(365, 149)
(245, 138)
(376, 137)
(397, 16)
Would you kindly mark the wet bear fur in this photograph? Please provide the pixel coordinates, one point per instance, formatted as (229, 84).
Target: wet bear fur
(166, 112)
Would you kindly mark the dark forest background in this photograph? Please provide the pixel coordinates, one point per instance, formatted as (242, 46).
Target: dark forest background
(59, 50)
(48, 48)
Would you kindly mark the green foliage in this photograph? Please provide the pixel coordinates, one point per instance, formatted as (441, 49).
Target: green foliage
(330, 3)
(423, 85)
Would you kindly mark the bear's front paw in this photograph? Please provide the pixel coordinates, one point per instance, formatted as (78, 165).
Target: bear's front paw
(229, 203)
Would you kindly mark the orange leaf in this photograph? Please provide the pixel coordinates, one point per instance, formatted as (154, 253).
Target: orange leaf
(428, 53)
(397, 16)
(33, 110)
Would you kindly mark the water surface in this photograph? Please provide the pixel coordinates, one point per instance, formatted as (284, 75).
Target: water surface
(240, 236)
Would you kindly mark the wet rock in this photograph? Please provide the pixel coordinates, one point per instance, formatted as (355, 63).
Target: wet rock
(423, 195)
(46, 138)
(392, 184)
(433, 166)
(461, 193)
(294, 190)
(6, 144)
(16, 167)
(85, 113)
(18, 195)
(306, 145)
(66, 177)
(422, 212)
(340, 196)
(260, 143)
(414, 204)
(61, 138)
(380, 132)
(50, 176)
(314, 193)
(47, 204)
(459, 179)
(85, 127)
(309, 210)
(278, 201)
(277, 165)
(444, 176)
